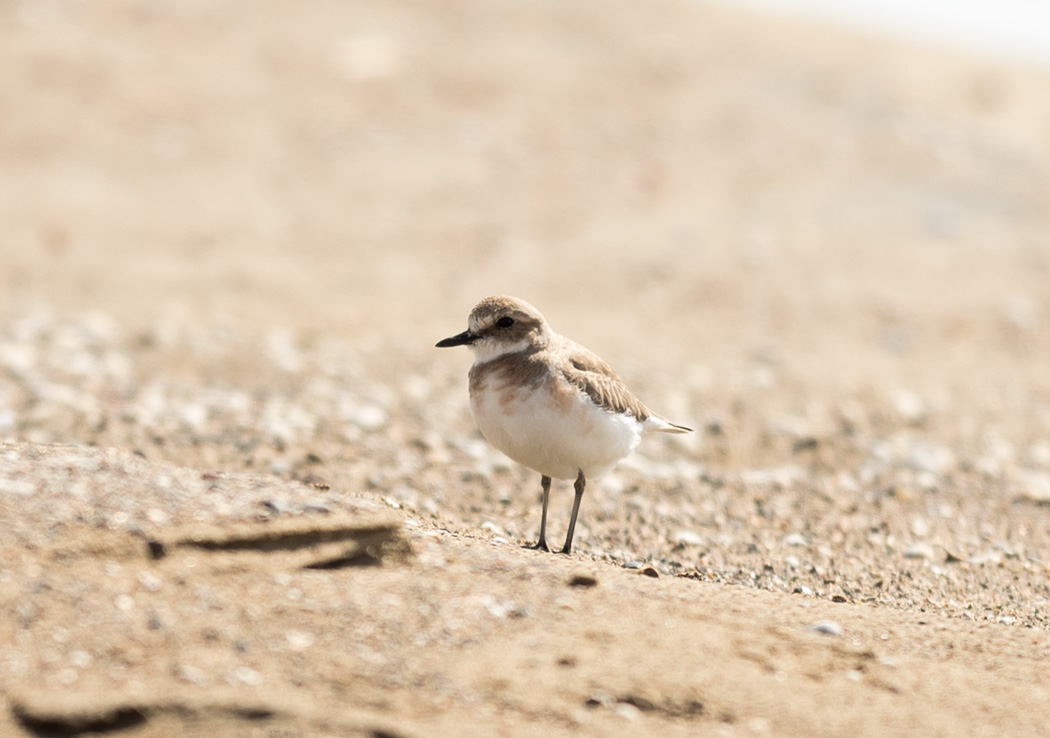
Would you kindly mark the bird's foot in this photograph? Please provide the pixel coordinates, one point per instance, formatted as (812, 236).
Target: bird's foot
(540, 545)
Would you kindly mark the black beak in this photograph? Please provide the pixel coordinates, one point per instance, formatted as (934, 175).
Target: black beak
(463, 339)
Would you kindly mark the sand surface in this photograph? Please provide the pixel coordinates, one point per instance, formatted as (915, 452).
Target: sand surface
(242, 494)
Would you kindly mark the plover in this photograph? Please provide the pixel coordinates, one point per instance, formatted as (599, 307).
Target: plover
(547, 402)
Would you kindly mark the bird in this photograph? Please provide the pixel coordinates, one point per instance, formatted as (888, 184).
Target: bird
(547, 402)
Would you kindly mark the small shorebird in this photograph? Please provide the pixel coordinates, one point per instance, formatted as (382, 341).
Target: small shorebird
(547, 402)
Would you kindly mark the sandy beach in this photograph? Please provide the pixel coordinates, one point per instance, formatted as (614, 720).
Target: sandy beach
(242, 493)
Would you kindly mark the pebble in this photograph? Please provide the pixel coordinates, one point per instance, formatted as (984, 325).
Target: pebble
(282, 351)
(299, 640)
(759, 726)
(628, 711)
(927, 481)
(193, 675)
(280, 466)
(245, 675)
(795, 539)
(1034, 486)
(909, 406)
(783, 477)
(1039, 454)
(150, 581)
(600, 698)
(931, 457)
(80, 659)
(370, 418)
(688, 538)
(988, 557)
(194, 416)
(497, 608)
(826, 627)
(16, 487)
(921, 550)
(919, 527)
(418, 387)
(18, 358)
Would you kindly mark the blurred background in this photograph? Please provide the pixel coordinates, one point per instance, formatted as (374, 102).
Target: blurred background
(690, 188)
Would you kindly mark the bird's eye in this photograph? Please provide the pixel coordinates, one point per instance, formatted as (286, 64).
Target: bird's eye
(505, 322)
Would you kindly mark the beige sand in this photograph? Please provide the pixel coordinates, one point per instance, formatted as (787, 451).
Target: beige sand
(242, 494)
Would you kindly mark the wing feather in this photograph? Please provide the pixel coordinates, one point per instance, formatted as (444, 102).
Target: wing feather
(604, 386)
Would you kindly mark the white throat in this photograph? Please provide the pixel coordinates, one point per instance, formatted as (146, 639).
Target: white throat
(486, 349)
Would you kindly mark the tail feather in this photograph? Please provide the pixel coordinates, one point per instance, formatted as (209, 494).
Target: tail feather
(662, 426)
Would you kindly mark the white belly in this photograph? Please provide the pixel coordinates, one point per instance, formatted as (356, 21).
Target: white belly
(556, 440)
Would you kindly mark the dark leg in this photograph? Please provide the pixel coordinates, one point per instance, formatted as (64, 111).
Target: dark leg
(541, 545)
(580, 484)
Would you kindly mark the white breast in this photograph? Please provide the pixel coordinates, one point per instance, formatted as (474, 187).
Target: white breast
(555, 439)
